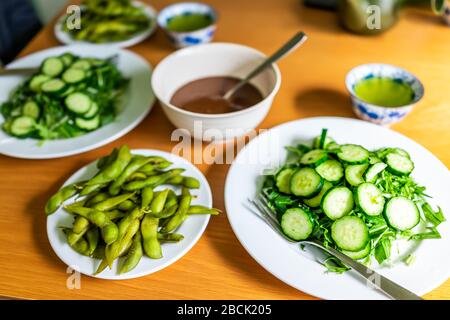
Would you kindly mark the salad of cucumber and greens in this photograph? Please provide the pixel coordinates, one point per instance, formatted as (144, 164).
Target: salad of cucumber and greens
(68, 97)
(108, 21)
(351, 199)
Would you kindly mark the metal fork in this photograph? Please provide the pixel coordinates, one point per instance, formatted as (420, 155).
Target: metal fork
(376, 280)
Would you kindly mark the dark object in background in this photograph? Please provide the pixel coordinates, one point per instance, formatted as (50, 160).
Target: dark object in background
(18, 25)
(322, 4)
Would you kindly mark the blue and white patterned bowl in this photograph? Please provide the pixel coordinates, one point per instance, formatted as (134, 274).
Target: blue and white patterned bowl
(185, 39)
(379, 114)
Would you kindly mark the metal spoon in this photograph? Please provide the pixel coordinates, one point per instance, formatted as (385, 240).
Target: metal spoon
(288, 47)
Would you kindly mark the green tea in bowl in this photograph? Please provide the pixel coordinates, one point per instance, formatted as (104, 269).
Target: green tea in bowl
(381, 93)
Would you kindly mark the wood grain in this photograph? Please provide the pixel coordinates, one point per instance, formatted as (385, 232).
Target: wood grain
(313, 85)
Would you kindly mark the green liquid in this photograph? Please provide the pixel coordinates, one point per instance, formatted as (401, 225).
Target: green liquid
(385, 92)
(189, 22)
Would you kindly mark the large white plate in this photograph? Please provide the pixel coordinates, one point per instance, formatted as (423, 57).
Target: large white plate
(151, 13)
(192, 228)
(137, 103)
(297, 268)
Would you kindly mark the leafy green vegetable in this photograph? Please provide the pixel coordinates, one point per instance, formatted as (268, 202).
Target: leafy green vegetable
(103, 83)
(381, 234)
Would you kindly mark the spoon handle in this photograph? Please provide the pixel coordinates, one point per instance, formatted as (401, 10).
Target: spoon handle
(292, 44)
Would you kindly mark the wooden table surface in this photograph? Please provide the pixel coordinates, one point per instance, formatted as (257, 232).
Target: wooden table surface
(218, 267)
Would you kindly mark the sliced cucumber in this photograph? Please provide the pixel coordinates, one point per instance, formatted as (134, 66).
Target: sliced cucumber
(306, 182)
(399, 164)
(83, 64)
(326, 142)
(353, 154)
(283, 179)
(52, 67)
(354, 174)
(31, 109)
(370, 199)
(92, 112)
(374, 170)
(297, 224)
(67, 59)
(356, 255)
(350, 233)
(22, 126)
(315, 202)
(37, 81)
(78, 102)
(73, 75)
(331, 170)
(401, 152)
(314, 157)
(53, 87)
(88, 124)
(401, 213)
(337, 202)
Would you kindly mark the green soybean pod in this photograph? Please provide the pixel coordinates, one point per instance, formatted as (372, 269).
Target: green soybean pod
(159, 201)
(110, 232)
(176, 181)
(106, 160)
(80, 224)
(99, 197)
(177, 219)
(89, 189)
(102, 266)
(99, 252)
(165, 213)
(197, 209)
(114, 169)
(134, 254)
(62, 195)
(132, 167)
(191, 183)
(137, 176)
(172, 199)
(127, 205)
(146, 197)
(114, 214)
(170, 237)
(73, 237)
(110, 203)
(92, 237)
(149, 231)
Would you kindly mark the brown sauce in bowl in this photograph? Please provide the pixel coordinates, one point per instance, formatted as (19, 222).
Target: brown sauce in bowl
(204, 96)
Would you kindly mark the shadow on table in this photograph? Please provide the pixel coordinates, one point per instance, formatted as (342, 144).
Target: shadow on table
(324, 102)
(36, 206)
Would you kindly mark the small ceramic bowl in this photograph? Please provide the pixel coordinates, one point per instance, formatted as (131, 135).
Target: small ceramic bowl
(379, 114)
(185, 39)
(212, 60)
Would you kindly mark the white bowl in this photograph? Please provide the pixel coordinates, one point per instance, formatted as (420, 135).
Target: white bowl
(210, 60)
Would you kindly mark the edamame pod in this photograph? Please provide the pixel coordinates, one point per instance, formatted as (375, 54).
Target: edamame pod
(137, 176)
(127, 205)
(92, 237)
(110, 203)
(152, 181)
(159, 200)
(134, 255)
(165, 213)
(177, 219)
(62, 195)
(110, 232)
(99, 197)
(146, 197)
(135, 164)
(149, 230)
(114, 169)
(170, 237)
(196, 209)
(80, 224)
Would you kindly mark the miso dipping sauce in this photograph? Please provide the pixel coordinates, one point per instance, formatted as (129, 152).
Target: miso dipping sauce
(204, 96)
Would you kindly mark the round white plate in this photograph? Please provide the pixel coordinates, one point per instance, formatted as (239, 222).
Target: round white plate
(66, 38)
(298, 268)
(192, 228)
(137, 103)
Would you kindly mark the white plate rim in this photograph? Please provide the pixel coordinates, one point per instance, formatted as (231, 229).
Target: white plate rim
(151, 13)
(278, 273)
(127, 125)
(51, 230)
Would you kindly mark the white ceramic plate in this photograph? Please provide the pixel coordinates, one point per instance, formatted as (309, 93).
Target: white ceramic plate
(298, 268)
(137, 103)
(66, 38)
(192, 228)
